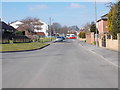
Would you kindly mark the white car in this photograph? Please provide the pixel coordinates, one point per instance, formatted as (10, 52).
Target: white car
(59, 39)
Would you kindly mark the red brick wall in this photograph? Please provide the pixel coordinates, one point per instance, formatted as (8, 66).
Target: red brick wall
(102, 26)
(105, 26)
(90, 38)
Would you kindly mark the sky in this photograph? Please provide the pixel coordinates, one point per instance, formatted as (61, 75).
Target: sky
(65, 13)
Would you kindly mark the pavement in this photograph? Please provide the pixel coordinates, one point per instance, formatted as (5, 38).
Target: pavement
(108, 55)
(60, 65)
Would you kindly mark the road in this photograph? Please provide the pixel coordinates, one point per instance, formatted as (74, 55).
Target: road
(60, 65)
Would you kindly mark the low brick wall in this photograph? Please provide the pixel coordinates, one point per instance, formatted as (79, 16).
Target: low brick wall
(90, 38)
(100, 42)
(112, 44)
(81, 39)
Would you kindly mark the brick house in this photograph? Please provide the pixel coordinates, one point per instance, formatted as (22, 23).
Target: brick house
(102, 24)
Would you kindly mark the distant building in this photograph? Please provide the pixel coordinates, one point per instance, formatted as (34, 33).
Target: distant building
(102, 24)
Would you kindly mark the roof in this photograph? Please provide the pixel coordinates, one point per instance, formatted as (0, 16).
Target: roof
(22, 28)
(6, 27)
(16, 24)
(104, 17)
(40, 33)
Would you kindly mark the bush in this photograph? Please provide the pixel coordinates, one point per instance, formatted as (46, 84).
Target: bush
(94, 43)
(82, 35)
(18, 33)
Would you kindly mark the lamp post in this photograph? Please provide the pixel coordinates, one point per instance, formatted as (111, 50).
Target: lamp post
(50, 28)
(96, 34)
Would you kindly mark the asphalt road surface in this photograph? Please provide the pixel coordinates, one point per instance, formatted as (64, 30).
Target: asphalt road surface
(60, 65)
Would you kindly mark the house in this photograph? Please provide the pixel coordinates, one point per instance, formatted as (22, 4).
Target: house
(41, 28)
(37, 28)
(102, 24)
(16, 24)
(6, 31)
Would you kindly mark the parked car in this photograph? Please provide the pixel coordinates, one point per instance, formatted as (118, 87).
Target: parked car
(71, 36)
(59, 39)
(67, 36)
(63, 38)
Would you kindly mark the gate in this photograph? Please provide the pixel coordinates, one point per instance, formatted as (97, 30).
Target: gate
(104, 41)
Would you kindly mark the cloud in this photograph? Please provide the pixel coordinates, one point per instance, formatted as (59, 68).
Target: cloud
(38, 7)
(75, 5)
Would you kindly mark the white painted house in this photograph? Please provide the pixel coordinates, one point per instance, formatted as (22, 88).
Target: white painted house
(42, 28)
(16, 24)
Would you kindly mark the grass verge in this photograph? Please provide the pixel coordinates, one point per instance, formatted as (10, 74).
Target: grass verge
(21, 46)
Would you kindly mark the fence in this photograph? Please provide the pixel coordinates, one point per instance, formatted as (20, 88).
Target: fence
(14, 38)
(110, 43)
(20, 39)
(4, 39)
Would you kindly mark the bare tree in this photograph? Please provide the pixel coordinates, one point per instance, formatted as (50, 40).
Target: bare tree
(56, 27)
(63, 30)
(86, 27)
(30, 22)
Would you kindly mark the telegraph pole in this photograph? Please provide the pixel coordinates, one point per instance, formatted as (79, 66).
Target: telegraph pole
(96, 34)
(50, 28)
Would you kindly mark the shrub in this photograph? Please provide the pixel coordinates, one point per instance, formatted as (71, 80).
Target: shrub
(82, 35)
(18, 33)
(94, 43)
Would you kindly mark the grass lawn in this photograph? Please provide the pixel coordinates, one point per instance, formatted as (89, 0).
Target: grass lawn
(21, 46)
(42, 40)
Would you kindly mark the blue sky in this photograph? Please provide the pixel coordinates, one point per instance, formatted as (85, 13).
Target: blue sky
(65, 13)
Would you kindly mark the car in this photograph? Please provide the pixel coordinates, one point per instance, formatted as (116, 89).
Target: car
(63, 38)
(59, 39)
(67, 36)
(72, 37)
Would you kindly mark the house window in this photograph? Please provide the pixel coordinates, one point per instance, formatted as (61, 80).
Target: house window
(106, 26)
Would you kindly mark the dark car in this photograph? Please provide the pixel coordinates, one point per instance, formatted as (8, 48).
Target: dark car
(63, 38)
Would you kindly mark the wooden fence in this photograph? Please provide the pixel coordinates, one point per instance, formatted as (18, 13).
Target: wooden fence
(5, 39)
(20, 39)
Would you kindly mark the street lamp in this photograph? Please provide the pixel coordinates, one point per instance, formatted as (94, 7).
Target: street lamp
(96, 34)
(50, 29)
